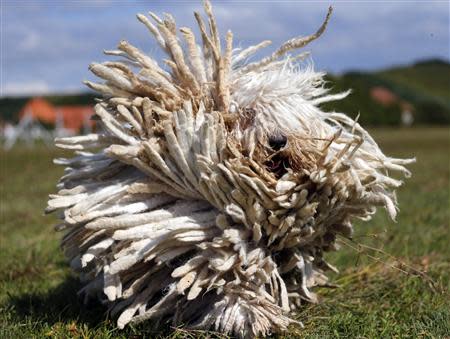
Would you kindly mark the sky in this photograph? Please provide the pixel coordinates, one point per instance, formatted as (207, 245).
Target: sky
(47, 45)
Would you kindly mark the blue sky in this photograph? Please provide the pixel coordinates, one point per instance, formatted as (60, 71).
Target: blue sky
(48, 44)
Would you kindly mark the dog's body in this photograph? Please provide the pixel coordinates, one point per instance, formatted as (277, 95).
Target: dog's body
(212, 190)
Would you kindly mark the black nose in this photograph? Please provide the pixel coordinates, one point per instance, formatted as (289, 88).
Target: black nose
(278, 141)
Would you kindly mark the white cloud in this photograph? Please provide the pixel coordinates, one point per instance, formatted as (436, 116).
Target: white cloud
(29, 42)
(37, 87)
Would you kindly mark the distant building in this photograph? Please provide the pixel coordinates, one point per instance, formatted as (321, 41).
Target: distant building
(72, 119)
(38, 114)
(385, 97)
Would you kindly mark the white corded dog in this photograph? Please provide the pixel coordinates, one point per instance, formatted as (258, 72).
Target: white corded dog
(214, 184)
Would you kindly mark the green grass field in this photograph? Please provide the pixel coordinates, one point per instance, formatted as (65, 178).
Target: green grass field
(381, 293)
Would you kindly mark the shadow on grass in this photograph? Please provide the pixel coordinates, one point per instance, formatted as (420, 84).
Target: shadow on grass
(62, 305)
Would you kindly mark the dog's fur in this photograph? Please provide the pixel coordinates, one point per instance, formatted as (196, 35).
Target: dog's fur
(212, 189)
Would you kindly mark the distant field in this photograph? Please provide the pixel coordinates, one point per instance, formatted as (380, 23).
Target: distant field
(375, 299)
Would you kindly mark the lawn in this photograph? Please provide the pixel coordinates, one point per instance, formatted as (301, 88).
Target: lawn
(399, 290)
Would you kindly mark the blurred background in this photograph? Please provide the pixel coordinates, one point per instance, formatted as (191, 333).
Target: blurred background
(394, 55)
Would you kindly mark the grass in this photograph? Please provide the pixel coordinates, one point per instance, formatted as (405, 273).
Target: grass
(378, 295)
(429, 77)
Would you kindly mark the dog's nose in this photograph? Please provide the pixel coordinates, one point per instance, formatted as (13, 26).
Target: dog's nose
(277, 142)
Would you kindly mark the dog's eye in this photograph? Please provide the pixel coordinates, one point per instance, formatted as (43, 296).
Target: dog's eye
(277, 142)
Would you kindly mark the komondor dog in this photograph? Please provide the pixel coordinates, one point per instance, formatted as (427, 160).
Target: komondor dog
(213, 184)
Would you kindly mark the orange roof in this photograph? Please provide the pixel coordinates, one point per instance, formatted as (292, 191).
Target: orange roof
(383, 96)
(387, 98)
(40, 109)
(74, 117)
